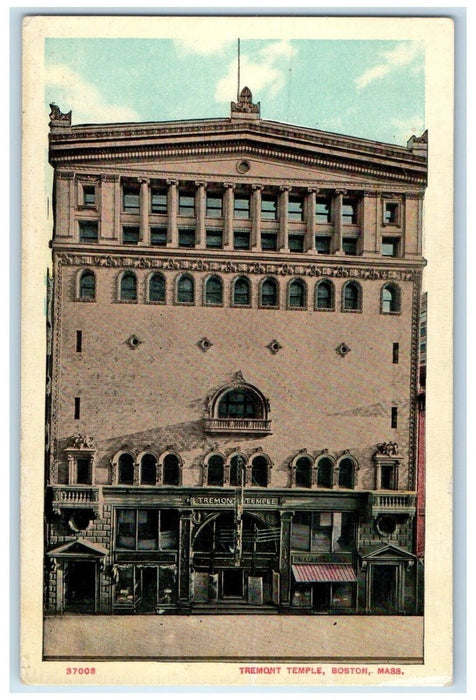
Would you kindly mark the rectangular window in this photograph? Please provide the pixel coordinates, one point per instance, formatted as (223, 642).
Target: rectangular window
(130, 235)
(269, 241)
(323, 244)
(214, 239)
(158, 202)
(89, 195)
(391, 211)
(295, 208)
(186, 238)
(390, 247)
(387, 479)
(131, 200)
(77, 408)
(214, 206)
(88, 231)
(323, 211)
(79, 341)
(186, 205)
(241, 207)
(296, 242)
(241, 240)
(349, 211)
(349, 246)
(146, 529)
(394, 420)
(158, 236)
(395, 353)
(323, 532)
(269, 207)
(83, 472)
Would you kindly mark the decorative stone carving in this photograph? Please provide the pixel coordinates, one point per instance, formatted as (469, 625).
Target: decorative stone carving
(81, 442)
(274, 346)
(205, 344)
(56, 115)
(245, 103)
(342, 349)
(387, 448)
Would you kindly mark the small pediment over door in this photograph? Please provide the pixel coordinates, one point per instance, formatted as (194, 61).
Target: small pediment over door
(78, 548)
(384, 552)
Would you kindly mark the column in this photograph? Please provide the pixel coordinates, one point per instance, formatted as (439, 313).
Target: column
(285, 560)
(256, 217)
(64, 210)
(108, 195)
(370, 226)
(117, 209)
(337, 216)
(309, 242)
(283, 219)
(172, 232)
(228, 209)
(144, 210)
(200, 210)
(185, 543)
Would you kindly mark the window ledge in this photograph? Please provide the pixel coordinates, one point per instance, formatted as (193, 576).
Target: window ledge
(255, 426)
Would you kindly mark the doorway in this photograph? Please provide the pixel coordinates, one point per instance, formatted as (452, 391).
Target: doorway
(80, 587)
(384, 588)
(148, 601)
(232, 583)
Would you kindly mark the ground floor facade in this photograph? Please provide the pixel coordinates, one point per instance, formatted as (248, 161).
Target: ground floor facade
(116, 550)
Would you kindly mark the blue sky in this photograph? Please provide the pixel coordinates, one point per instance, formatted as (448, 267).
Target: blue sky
(371, 89)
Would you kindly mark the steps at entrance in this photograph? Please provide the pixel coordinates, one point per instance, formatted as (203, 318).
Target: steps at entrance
(238, 608)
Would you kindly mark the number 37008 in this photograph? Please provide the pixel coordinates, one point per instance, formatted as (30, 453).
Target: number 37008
(80, 670)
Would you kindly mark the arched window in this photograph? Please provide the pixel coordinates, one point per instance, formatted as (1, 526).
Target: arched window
(128, 287)
(304, 473)
(185, 290)
(238, 407)
(126, 469)
(325, 473)
(269, 293)
(215, 471)
(346, 473)
(259, 471)
(237, 471)
(352, 297)
(157, 287)
(297, 294)
(324, 295)
(390, 299)
(171, 470)
(241, 292)
(148, 465)
(238, 403)
(214, 291)
(87, 285)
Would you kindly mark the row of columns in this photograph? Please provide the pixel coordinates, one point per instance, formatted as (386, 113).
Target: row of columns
(308, 227)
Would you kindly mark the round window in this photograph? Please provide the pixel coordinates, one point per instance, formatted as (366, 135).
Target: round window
(386, 525)
(243, 167)
(80, 520)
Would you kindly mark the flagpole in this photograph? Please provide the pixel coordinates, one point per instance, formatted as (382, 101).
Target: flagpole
(238, 88)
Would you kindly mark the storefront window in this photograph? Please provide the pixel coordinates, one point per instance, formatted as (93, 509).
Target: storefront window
(322, 532)
(146, 529)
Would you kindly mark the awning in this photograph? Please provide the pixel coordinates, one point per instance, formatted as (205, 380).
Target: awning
(323, 573)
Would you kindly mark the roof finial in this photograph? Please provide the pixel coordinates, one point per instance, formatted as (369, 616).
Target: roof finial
(244, 107)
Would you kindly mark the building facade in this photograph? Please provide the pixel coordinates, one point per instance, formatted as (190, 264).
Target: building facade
(232, 368)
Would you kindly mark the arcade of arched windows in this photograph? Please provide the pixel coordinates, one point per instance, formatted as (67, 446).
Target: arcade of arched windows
(265, 292)
(235, 469)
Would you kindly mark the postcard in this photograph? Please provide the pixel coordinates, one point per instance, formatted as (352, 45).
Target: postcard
(237, 350)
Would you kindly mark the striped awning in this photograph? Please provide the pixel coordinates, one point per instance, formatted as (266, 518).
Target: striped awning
(323, 573)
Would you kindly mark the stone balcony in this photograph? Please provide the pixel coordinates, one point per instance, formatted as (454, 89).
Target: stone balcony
(392, 503)
(68, 497)
(253, 426)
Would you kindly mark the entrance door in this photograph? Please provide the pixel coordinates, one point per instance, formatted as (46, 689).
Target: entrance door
(80, 587)
(384, 588)
(232, 583)
(321, 597)
(148, 600)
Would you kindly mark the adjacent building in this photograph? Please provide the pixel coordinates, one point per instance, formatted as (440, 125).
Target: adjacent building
(232, 368)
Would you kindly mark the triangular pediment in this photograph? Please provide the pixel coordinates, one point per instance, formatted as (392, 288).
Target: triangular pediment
(78, 548)
(385, 551)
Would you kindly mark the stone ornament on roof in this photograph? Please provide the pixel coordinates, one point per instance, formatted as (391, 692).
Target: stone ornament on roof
(58, 118)
(245, 103)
